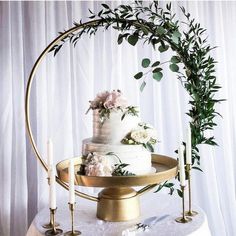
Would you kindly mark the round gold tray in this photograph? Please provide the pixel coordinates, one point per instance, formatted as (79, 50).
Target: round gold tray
(118, 201)
(166, 168)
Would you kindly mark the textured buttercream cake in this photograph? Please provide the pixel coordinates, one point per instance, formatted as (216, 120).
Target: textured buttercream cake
(118, 138)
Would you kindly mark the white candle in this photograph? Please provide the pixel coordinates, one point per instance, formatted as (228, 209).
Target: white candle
(189, 146)
(52, 189)
(71, 182)
(49, 153)
(181, 165)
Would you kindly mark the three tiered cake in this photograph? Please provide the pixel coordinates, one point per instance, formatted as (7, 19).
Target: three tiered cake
(120, 141)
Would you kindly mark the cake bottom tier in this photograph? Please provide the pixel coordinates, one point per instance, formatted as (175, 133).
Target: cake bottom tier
(136, 156)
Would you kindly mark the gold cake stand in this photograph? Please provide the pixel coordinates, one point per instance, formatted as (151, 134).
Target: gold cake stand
(118, 201)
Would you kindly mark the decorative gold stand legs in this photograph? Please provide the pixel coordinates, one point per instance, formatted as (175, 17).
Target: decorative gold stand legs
(184, 218)
(72, 232)
(53, 230)
(190, 212)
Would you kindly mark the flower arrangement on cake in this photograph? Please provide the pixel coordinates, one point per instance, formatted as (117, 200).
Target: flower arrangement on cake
(106, 102)
(144, 134)
(96, 164)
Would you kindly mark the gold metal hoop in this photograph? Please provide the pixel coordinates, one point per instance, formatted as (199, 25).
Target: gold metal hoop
(27, 108)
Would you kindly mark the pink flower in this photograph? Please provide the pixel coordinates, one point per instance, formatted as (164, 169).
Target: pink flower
(99, 100)
(97, 165)
(115, 100)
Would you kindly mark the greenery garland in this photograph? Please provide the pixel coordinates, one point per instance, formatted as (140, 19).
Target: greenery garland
(158, 27)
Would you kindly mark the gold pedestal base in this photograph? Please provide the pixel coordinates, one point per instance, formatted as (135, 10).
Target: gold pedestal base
(183, 219)
(53, 232)
(74, 233)
(191, 213)
(118, 204)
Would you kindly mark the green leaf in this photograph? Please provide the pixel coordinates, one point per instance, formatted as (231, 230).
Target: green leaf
(133, 39)
(169, 185)
(158, 69)
(160, 30)
(145, 62)
(174, 67)
(142, 86)
(120, 39)
(180, 193)
(197, 168)
(163, 48)
(157, 76)
(105, 6)
(138, 75)
(176, 37)
(150, 147)
(157, 63)
(175, 59)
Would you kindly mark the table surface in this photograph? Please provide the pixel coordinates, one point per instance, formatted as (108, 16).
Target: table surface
(152, 204)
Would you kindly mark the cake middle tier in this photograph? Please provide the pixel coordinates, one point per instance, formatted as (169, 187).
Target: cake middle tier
(136, 156)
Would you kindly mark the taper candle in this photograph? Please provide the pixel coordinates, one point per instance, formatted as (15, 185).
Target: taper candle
(52, 189)
(188, 146)
(49, 153)
(181, 165)
(71, 182)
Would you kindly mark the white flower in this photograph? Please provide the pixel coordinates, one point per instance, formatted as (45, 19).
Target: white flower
(97, 165)
(140, 135)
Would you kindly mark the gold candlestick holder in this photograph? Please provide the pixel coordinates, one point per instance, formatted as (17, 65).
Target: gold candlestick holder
(184, 218)
(190, 212)
(53, 230)
(72, 232)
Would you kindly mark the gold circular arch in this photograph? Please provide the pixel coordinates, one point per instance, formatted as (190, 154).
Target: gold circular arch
(27, 108)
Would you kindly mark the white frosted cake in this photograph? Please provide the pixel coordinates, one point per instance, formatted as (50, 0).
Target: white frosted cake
(120, 141)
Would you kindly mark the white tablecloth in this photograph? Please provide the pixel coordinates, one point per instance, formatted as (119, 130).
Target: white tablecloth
(151, 205)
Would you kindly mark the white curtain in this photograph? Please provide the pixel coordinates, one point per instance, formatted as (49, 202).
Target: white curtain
(66, 83)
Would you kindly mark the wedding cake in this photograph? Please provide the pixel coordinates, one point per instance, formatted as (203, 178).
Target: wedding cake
(121, 143)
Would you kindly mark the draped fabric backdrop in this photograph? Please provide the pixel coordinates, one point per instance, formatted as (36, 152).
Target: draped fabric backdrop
(66, 83)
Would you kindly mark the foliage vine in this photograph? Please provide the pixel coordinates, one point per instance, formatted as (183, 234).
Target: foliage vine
(192, 62)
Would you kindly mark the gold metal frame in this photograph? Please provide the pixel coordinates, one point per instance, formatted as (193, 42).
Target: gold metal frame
(143, 180)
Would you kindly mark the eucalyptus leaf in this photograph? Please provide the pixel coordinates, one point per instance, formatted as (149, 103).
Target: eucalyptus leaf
(162, 48)
(175, 59)
(142, 86)
(145, 62)
(157, 76)
(138, 75)
(157, 63)
(133, 39)
(158, 69)
(174, 67)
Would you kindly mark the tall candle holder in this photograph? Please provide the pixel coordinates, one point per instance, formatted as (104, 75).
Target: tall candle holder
(53, 230)
(184, 218)
(190, 212)
(72, 232)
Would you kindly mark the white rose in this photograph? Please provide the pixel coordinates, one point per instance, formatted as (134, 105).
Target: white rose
(140, 135)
